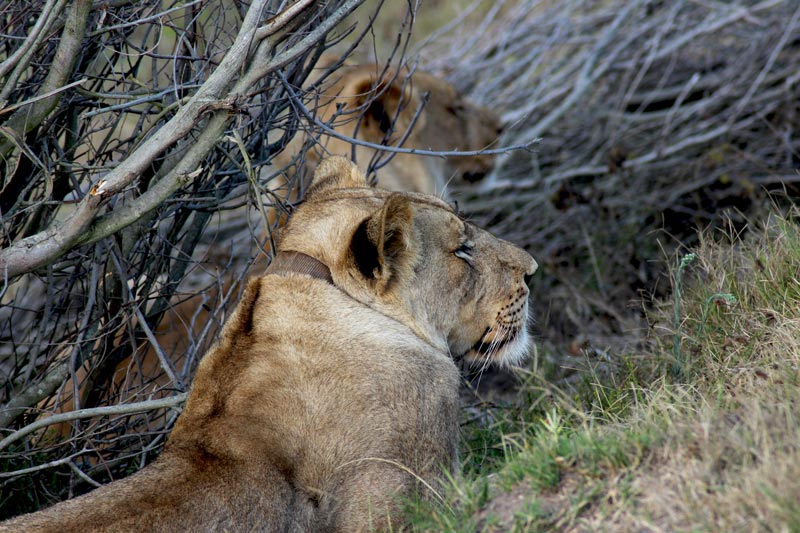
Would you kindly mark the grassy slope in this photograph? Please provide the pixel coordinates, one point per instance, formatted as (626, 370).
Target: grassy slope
(709, 444)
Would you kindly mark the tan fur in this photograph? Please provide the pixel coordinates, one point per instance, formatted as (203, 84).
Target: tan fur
(319, 399)
(368, 98)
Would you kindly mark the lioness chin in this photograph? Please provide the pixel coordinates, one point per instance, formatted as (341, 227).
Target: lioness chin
(332, 389)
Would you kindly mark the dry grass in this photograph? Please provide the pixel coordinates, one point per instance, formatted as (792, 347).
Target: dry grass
(717, 450)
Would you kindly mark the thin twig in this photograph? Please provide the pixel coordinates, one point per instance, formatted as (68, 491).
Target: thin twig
(44, 466)
(123, 409)
(48, 94)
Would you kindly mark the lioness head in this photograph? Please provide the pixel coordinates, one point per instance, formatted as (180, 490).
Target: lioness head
(412, 110)
(411, 257)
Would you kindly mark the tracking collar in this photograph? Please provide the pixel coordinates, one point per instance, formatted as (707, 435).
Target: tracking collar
(300, 263)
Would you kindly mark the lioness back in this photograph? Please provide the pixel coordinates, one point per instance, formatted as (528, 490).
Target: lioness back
(332, 390)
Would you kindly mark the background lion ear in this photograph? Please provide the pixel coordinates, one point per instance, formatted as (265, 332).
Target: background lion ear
(388, 107)
(336, 172)
(383, 245)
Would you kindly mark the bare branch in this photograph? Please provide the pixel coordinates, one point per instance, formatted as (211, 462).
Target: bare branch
(30, 396)
(10, 108)
(43, 466)
(41, 249)
(26, 118)
(124, 409)
(32, 42)
(279, 21)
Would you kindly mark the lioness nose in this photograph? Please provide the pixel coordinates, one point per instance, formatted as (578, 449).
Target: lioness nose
(473, 177)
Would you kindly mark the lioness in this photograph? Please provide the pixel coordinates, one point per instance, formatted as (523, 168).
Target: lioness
(414, 110)
(375, 104)
(332, 386)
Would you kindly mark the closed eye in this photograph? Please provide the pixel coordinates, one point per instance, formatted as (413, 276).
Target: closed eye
(455, 109)
(464, 251)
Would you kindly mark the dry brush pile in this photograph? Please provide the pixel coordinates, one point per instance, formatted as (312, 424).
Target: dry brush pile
(656, 118)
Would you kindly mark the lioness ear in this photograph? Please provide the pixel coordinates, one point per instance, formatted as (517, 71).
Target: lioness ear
(389, 106)
(383, 245)
(336, 172)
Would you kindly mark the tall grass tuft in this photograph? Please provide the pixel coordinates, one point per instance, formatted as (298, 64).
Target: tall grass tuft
(679, 365)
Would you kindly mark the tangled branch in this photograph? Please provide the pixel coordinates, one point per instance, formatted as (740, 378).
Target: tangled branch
(116, 176)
